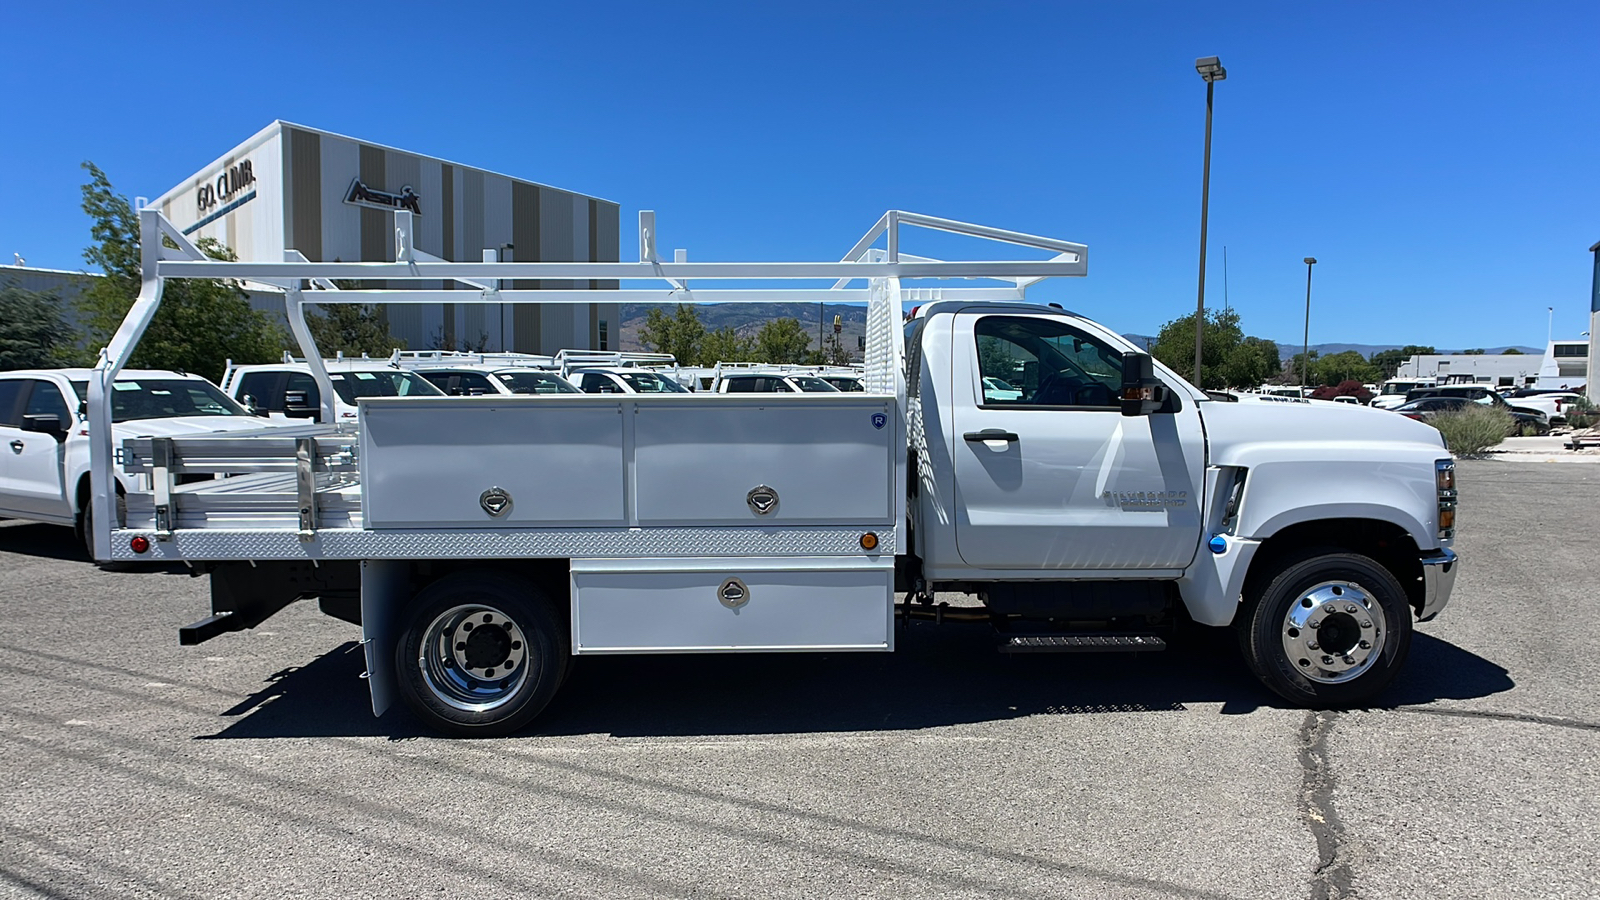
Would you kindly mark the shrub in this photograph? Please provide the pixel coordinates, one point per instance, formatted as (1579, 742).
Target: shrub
(1580, 413)
(1474, 429)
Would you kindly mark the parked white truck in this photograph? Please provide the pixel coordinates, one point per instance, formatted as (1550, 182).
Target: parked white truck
(1094, 501)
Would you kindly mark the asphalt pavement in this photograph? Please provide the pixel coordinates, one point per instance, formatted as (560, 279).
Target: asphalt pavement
(251, 766)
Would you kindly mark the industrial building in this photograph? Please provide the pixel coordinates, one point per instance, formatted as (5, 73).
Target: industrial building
(1564, 364)
(328, 196)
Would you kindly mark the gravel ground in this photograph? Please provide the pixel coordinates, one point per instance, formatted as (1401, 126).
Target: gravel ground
(251, 766)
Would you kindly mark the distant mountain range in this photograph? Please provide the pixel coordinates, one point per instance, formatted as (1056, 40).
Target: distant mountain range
(747, 319)
(1289, 349)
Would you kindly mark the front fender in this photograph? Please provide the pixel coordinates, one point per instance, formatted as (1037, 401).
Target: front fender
(1280, 494)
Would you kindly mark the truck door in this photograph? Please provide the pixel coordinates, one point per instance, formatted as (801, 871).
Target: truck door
(1067, 481)
(35, 470)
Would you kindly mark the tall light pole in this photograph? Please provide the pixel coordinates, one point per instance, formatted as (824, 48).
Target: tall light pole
(1305, 352)
(1550, 326)
(1212, 71)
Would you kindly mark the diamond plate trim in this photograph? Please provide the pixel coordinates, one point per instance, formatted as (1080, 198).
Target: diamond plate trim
(561, 544)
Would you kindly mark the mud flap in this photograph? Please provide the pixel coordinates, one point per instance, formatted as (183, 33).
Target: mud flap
(385, 587)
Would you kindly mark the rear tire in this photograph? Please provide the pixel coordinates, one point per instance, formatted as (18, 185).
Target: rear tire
(1327, 629)
(481, 655)
(85, 525)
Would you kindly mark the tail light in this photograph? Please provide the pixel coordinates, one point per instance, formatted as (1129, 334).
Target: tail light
(1444, 476)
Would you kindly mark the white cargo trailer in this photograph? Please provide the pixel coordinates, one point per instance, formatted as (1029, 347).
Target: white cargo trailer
(1022, 453)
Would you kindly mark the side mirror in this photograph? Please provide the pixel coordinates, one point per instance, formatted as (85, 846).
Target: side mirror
(1142, 392)
(297, 405)
(45, 423)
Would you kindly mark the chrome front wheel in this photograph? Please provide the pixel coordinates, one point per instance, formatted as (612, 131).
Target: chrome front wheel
(1334, 632)
(1326, 628)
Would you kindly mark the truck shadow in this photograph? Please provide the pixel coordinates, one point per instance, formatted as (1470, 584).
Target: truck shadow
(939, 676)
(43, 541)
(61, 543)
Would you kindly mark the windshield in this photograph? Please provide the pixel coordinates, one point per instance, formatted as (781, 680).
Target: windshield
(651, 383)
(535, 383)
(164, 398)
(352, 386)
(811, 384)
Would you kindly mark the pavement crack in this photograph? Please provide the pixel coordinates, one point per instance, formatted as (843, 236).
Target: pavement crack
(1331, 880)
(1529, 718)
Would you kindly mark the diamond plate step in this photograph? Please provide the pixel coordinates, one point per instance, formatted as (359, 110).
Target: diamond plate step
(1081, 643)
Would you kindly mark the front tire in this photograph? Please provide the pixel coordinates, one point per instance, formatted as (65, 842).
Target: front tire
(1328, 629)
(482, 654)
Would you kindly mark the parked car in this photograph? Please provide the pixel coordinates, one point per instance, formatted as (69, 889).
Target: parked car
(1426, 408)
(772, 383)
(459, 381)
(1478, 393)
(850, 384)
(996, 388)
(45, 476)
(625, 380)
(1394, 392)
(287, 390)
(1551, 403)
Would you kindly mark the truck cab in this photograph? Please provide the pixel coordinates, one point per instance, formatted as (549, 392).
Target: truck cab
(1058, 499)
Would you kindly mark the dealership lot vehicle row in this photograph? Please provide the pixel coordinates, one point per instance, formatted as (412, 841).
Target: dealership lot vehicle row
(252, 766)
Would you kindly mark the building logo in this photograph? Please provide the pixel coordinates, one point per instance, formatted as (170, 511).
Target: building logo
(226, 188)
(361, 195)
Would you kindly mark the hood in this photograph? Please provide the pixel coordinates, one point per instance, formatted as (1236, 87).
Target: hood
(1238, 432)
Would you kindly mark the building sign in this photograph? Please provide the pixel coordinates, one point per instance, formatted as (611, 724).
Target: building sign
(226, 188)
(361, 195)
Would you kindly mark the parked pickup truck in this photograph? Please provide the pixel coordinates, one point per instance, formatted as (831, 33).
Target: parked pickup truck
(44, 468)
(1091, 505)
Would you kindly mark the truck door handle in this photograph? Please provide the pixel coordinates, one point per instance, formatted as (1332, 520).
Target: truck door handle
(16, 446)
(981, 436)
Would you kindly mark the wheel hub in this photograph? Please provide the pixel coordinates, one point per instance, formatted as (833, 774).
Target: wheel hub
(1334, 632)
(473, 657)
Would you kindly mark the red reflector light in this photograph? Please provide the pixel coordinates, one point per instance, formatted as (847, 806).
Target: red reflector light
(139, 544)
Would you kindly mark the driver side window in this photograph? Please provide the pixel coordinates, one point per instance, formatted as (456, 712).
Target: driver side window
(1037, 362)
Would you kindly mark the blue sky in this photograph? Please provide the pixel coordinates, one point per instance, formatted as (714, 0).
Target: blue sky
(1438, 159)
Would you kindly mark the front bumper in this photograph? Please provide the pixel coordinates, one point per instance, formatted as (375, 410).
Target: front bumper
(1439, 569)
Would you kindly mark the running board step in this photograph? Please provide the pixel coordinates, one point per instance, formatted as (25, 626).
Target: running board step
(1082, 643)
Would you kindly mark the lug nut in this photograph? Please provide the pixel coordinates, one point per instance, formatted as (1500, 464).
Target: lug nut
(1365, 623)
(1366, 645)
(1311, 645)
(1314, 623)
(1349, 660)
(1327, 660)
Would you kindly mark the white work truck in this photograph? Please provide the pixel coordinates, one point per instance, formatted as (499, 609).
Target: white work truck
(1089, 504)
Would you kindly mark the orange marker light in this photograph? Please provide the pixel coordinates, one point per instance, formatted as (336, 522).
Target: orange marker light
(869, 541)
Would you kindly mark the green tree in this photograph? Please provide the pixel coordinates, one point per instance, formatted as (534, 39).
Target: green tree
(1296, 366)
(33, 333)
(1510, 351)
(1228, 357)
(200, 324)
(1342, 367)
(833, 352)
(782, 341)
(725, 345)
(1251, 363)
(354, 328)
(680, 334)
(1388, 361)
(1476, 351)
